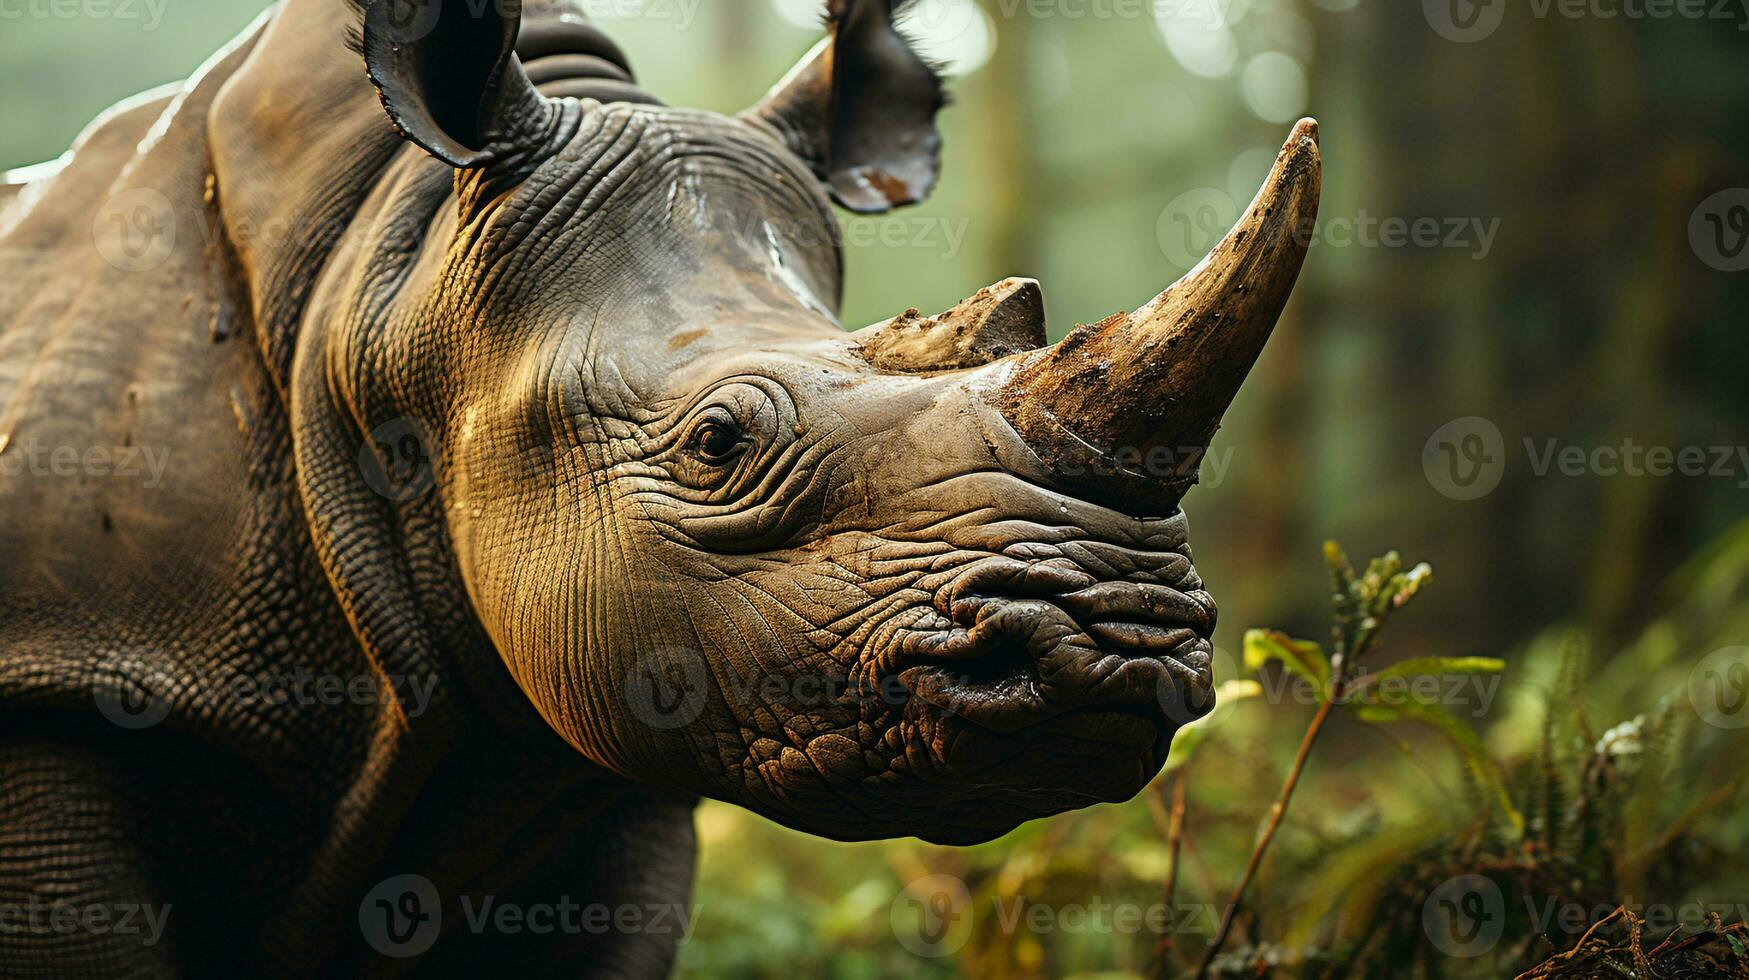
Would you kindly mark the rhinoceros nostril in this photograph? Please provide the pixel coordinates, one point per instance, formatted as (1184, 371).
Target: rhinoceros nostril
(1006, 662)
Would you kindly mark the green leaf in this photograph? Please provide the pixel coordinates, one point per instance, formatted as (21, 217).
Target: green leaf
(1184, 746)
(1421, 666)
(1238, 689)
(1376, 714)
(1468, 744)
(1302, 657)
(1190, 736)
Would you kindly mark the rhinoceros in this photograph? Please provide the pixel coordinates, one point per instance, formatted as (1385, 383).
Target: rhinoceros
(429, 465)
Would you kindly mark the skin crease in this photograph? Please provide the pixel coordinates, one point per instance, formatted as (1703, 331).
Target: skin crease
(679, 537)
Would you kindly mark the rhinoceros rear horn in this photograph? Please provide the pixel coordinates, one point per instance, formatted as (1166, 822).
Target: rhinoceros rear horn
(450, 81)
(860, 110)
(996, 321)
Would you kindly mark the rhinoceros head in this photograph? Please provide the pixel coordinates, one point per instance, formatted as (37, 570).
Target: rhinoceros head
(927, 578)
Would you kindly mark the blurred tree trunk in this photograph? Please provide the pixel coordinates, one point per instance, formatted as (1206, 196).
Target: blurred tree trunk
(1566, 330)
(1017, 198)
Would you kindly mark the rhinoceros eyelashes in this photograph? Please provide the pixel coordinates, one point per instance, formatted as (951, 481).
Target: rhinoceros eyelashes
(721, 443)
(716, 440)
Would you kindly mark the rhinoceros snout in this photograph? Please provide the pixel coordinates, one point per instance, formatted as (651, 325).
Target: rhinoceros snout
(1028, 645)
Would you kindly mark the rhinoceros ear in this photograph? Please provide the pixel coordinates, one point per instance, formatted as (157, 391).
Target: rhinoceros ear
(449, 78)
(860, 109)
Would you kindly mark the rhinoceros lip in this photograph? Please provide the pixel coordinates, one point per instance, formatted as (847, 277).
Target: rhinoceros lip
(999, 685)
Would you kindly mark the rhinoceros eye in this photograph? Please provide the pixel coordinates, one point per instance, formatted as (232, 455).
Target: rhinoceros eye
(716, 441)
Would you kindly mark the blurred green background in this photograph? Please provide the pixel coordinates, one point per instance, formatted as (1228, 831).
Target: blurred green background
(1577, 282)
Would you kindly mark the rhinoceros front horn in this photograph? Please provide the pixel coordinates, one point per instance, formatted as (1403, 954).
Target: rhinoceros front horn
(1122, 411)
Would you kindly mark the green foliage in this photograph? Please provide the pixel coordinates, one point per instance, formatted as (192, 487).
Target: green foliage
(1190, 736)
(1301, 657)
(1611, 829)
(1362, 605)
(1418, 666)
(1469, 747)
(1365, 602)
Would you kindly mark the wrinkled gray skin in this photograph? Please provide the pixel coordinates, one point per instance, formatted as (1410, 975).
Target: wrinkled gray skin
(529, 419)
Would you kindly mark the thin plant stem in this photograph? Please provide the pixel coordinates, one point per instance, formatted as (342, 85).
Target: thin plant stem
(1174, 842)
(1275, 814)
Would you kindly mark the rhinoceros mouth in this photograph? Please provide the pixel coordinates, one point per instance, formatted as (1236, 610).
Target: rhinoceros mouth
(1008, 663)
